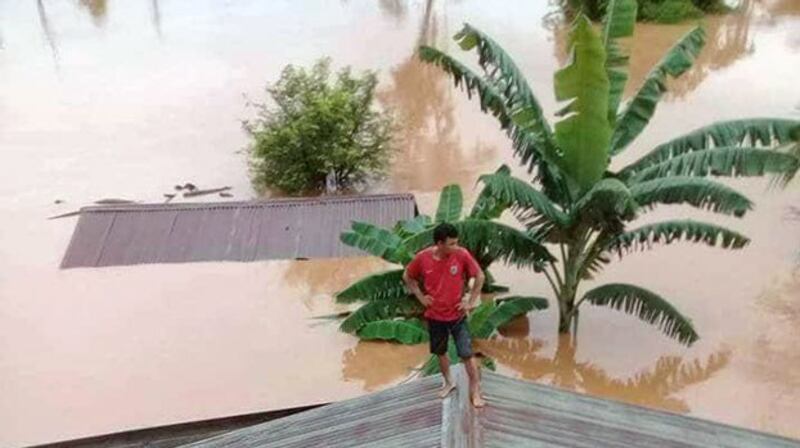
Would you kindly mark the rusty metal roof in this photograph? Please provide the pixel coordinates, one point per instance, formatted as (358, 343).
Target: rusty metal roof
(227, 231)
(518, 414)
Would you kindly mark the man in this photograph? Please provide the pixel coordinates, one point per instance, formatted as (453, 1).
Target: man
(444, 269)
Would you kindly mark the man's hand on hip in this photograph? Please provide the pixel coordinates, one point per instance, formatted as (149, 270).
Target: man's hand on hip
(466, 305)
(426, 300)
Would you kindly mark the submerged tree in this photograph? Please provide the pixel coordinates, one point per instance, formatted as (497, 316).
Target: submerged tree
(319, 133)
(575, 201)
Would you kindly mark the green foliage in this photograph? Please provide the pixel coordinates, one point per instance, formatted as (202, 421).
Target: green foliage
(484, 321)
(391, 314)
(502, 73)
(641, 108)
(406, 306)
(450, 203)
(318, 131)
(619, 22)
(669, 11)
(382, 286)
(523, 196)
(697, 192)
(504, 93)
(747, 133)
(488, 242)
(503, 312)
(668, 232)
(385, 294)
(404, 331)
(661, 11)
(431, 366)
(487, 205)
(376, 241)
(645, 305)
(608, 200)
(725, 161)
(575, 200)
(584, 133)
(409, 227)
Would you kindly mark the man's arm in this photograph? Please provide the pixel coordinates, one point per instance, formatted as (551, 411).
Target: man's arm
(413, 286)
(475, 272)
(475, 291)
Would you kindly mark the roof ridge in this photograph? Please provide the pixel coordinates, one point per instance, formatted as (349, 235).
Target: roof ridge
(255, 203)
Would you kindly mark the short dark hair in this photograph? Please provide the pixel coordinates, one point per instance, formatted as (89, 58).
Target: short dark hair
(444, 231)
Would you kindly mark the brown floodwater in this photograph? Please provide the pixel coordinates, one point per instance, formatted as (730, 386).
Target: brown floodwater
(122, 99)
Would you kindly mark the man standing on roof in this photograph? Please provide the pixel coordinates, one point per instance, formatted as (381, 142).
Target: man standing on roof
(444, 269)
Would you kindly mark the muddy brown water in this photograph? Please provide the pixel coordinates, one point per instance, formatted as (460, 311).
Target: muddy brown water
(126, 99)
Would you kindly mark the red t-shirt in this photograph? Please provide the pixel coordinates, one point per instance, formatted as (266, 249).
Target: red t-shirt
(443, 280)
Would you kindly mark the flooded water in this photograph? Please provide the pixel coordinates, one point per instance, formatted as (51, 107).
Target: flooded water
(112, 99)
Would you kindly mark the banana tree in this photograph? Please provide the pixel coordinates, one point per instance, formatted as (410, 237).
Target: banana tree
(581, 205)
(390, 313)
(483, 323)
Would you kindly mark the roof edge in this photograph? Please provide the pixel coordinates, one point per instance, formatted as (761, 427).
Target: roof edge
(276, 202)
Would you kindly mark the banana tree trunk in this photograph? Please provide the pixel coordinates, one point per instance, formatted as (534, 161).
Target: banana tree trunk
(566, 314)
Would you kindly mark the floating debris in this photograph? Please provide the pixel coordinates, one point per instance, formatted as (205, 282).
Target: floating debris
(187, 186)
(169, 196)
(66, 215)
(194, 193)
(226, 195)
(58, 201)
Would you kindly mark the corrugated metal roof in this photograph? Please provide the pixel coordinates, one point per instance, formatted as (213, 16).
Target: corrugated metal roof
(518, 414)
(409, 415)
(227, 231)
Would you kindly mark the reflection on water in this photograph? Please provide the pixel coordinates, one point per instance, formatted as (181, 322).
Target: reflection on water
(97, 9)
(728, 40)
(377, 364)
(47, 31)
(777, 343)
(156, 17)
(781, 8)
(422, 100)
(655, 387)
(318, 280)
(396, 9)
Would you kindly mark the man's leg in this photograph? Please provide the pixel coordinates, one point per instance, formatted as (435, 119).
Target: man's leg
(474, 382)
(464, 346)
(444, 366)
(438, 333)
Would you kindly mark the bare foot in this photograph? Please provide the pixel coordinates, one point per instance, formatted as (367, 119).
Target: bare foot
(446, 389)
(478, 401)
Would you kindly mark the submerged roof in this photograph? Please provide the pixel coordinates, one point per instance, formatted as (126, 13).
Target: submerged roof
(519, 413)
(227, 231)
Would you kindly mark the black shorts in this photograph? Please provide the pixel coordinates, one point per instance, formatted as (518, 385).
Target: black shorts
(440, 332)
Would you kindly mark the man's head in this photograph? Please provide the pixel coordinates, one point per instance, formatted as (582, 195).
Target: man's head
(445, 237)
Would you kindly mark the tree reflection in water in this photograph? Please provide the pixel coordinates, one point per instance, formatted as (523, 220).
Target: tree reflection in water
(320, 279)
(728, 40)
(427, 138)
(97, 9)
(655, 387)
(378, 364)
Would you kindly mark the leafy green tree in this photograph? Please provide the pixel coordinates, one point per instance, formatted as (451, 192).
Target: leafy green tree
(581, 205)
(319, 133)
